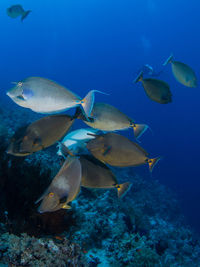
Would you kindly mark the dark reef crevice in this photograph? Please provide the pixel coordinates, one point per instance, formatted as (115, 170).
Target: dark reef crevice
(20, 186)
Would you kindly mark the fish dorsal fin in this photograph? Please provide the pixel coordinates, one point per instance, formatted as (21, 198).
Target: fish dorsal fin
(141, 149)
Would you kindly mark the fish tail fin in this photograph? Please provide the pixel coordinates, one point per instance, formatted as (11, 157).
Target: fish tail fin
(153, 162)
(169, 60)
(139, 129)
(122, 189)
(88, 101)
(25, 14)
(139, 78)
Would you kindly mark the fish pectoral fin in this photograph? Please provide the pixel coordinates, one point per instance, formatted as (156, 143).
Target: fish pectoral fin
(21, 97)
(106, 150)
(38, 142)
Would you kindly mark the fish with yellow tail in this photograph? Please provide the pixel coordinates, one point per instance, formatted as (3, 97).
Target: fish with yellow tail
(107, 118)
(95, 174)
(117, 150)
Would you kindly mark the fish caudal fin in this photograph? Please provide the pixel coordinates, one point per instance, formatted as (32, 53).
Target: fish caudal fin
(122, 189)
(139, 78)
(153, 162)
(169, 60)
(139, 129)
(25, 14)
(88, 102)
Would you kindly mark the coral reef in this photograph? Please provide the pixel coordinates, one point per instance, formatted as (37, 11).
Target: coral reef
(33, 252)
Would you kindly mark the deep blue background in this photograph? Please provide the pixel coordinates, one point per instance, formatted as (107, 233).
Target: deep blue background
(101, 44)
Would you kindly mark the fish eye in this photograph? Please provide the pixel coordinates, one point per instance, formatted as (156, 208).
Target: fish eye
(51, 194)
(19, 84)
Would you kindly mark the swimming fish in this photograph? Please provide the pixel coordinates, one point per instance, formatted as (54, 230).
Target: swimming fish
(108, 118)
(117, 150)
(45, 96)
(155, 89)
(40, 134)
(95, 174)
(182, 72)
(16, 11)
(75, 141)
(64, 188)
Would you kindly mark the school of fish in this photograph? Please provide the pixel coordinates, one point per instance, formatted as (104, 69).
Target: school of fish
(87, 152)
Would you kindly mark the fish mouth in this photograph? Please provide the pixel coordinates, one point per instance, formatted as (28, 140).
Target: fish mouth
(41, 210)
(9, 94)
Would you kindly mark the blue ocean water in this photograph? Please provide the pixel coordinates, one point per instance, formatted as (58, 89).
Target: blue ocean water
(101, 45)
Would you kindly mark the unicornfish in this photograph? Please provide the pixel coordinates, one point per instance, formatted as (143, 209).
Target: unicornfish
(45, 96)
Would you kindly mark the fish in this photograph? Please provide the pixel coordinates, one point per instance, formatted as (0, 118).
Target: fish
(156, 90)
(95, 174)
(106, 117)
(117, 150)
(44, 96)
(40, 134)
(182, 72)
(75, 141)
(63, 189)
(17, 10)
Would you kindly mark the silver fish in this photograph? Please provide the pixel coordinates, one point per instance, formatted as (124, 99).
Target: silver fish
(45, 96)
(75, 141)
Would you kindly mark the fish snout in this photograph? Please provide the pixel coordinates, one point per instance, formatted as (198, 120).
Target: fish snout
(8, 93)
